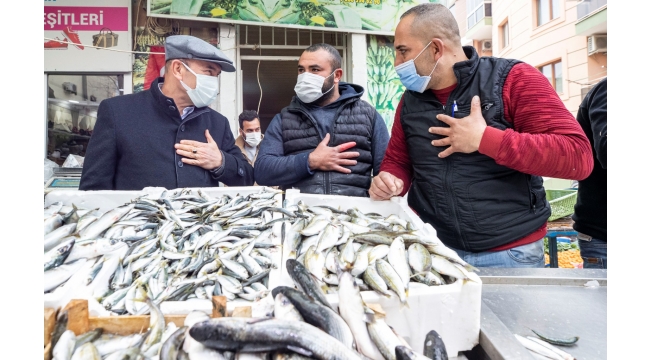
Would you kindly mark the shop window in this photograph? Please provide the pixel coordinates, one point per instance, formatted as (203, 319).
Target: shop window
(72, 111)
(505, 35)
(553, 72)
(547, 10)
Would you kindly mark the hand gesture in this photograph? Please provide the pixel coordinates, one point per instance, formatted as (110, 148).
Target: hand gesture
(327, 158)
(463, 135)
(385, 185)
(205, 155)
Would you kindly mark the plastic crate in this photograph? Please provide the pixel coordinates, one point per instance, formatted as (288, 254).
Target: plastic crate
(562, 202)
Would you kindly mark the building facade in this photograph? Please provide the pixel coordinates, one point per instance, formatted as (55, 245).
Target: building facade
(565, 40)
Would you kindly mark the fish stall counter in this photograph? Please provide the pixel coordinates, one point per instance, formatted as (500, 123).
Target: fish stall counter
(557, 303)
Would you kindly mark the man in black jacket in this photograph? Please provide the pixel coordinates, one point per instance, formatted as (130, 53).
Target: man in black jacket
(167, 136)
(590, 217)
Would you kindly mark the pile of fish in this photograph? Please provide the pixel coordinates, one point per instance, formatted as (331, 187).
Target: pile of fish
(381, 253)
(174, 246)
(300, 324)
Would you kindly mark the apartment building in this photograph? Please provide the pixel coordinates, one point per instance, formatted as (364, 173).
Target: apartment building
(565, 39)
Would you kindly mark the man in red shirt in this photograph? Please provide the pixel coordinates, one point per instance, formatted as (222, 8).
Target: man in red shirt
(471, 139)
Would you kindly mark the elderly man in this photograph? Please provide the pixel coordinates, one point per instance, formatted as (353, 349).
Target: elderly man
(167, 136)
(328, 140)
(471, 139)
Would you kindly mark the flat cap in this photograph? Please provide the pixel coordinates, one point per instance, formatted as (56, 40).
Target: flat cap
(190, 47)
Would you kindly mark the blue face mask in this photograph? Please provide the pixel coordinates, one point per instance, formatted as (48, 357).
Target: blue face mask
(409, 76)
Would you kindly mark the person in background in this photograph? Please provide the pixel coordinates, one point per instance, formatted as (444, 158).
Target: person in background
(328, 140)
(471, 140)
(168, 136)
(590, 216)
(250, 135)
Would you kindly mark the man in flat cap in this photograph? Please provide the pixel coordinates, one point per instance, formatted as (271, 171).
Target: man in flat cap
(167, 136)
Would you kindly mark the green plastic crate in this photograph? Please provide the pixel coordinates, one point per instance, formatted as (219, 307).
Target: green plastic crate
(562, 202)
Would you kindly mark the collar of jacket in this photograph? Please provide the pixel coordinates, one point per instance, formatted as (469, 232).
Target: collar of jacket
(169, 105)
(241, 144)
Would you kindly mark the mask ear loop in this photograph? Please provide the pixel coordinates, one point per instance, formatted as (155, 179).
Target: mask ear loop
(332, 84)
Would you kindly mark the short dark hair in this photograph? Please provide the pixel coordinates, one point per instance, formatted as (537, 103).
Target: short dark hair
(335, 57)
(433, 20)
(247, 115)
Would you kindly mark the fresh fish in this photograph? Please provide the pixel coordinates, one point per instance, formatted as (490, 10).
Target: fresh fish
(64, 348)
(94, 248)
(87, 351)
(52, 223)
(537, 348)
(397, 258)
(445, 267)
(404, 353)
(315, 227)
(318, 315)
(170, 349)
(392, 279)
(284, 309)
(103, 223)
(375, 281)
(328, 238)
(305, 282)
(88, 337)
(55, 237)
(351, 307)
(434, 347)
(117, 343)
(59, 275)
(419, 258)
(240, 334)
(347, 255)
(361, 261)
(331, 260)
(315, 263)
(58, 255)
(382, 335)
(378, 252)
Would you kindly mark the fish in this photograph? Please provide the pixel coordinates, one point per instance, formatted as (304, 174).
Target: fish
(375, 281)
(57, 256)
(109, 218)
(284, 309)
(52, 223)
(537, 348)
(88, 337)
(419, 258)
(55, 237)
(404, 353)
(318, 315)
(564, 355)
(361, 261)
(246, 335)
(59, 275)
(315, 263)
(306, 283)
(384, 337)
(87, 351)
(64, 347)
(434, 347)
(397, 258)
(392, 279)
(351, 307)
(445, 267)
(172, 346)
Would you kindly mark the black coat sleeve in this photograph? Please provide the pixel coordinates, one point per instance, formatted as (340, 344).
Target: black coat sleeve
(235, 171)
(598, 119)
(101, 156)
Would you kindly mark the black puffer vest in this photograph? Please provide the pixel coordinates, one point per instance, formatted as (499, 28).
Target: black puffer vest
(473, 203)
(354, 122)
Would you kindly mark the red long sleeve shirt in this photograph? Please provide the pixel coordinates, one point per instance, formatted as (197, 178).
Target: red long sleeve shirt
(546, 140)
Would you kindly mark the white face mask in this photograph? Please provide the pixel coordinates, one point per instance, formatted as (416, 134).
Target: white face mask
(253, 139)
(309, 87)
(205, 91)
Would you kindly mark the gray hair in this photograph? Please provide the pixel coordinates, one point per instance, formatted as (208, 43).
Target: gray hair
(433, 21)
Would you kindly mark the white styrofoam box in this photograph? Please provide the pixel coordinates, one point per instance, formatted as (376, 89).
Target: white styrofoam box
(452, 310)
(106, 200)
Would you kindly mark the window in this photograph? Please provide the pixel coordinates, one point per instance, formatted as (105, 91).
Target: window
(477, 10)
(547, 10)
(553, 73)
(505, 35)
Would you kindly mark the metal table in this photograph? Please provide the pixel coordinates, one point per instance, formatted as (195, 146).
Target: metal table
(552, 301)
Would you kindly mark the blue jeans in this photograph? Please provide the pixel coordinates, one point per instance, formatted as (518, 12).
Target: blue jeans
(525, 256)
(593, 253)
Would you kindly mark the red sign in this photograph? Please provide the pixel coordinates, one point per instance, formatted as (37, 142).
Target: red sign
(90, 18)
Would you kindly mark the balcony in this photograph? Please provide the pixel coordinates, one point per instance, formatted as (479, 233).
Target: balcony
(479, 20)
(592, 17)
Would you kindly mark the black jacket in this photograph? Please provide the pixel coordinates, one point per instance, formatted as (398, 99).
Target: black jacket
(354, 121)
(590, 216)
(473, 203)
(132, 146)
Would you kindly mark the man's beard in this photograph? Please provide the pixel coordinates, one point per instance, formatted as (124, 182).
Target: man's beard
(327, 85)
